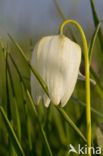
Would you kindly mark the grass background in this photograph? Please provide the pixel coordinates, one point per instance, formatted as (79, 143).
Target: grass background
(59, 133)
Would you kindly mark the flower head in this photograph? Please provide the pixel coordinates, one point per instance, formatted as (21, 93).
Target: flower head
(57, 60)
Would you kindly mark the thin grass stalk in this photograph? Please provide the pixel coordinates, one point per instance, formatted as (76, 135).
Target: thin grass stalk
(99, 87)
(7, 89)
(28, 124)
(96, 21)
(59, 126)
(88, 112)
(93, 40)
(38, 76)
(47, 146)
(95, 16)
(68, 119)
(41, 127)
(12, 135)
(15, 103)
(11, 149)
(26, 112)
(64, 18)
(59, 10)
(83, 104)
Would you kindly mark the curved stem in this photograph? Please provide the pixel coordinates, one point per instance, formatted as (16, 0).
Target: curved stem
(88, 113)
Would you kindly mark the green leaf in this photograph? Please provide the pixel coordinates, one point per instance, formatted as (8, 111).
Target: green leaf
(9, 115)
(95, 16)
(15, 102)
(68, 119)
(11, 133)
(93, 39)
(99, 87)
(96, 21)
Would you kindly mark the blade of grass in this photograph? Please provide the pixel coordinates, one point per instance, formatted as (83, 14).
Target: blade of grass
(96, 21)
(19, 74)
(59, 10)
(45, 88)
(17, 113)
(99, 87)
(41, 128)
(95, 16)
(68, 119)
(11, 148)
(45, 141)
(93, 39)
(28, 124)
(7, 87)
(11, 133)
(15, 103)
(64, 18)
(83, 104)
(58, 124)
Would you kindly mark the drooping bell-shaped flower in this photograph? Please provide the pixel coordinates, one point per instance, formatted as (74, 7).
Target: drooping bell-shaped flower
(57, 60)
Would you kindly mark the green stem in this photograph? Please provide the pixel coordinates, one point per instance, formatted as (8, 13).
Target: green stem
(88, 113)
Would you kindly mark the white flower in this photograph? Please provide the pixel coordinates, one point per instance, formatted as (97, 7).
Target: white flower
(57, 60)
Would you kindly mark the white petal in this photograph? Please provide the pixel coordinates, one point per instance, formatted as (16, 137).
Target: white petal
(57, 59)
(36, 89)
(46, 100)
(73, 53)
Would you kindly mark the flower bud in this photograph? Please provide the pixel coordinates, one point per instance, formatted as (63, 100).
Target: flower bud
(57, 60)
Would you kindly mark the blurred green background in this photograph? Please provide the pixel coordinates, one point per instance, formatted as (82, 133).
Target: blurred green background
(28, 21)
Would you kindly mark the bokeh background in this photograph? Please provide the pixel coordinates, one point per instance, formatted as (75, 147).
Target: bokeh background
(27, 21)
(38, 17)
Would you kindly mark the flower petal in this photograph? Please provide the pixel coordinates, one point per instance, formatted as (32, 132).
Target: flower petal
(57, 59)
